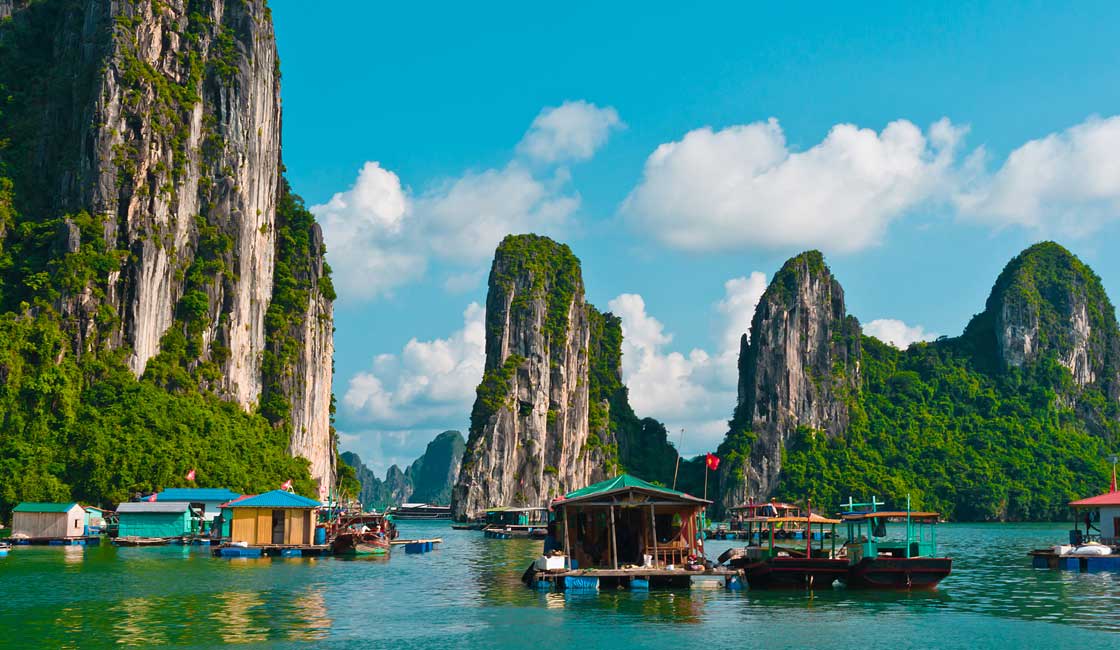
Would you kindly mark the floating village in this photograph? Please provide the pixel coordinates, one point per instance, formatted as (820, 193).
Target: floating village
(622, 533)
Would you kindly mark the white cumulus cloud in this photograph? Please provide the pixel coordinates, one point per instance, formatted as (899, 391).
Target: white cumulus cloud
(744, 186)
(382, 235)
(1067, 182)
(897, 333)
(427, 384)
(572, 131)
(694, 391)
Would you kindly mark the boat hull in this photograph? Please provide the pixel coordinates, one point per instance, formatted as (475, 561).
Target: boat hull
(795, 573)
(355, 545)
(899, 573)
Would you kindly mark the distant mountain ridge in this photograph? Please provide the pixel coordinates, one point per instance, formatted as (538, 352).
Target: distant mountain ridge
(427, 480)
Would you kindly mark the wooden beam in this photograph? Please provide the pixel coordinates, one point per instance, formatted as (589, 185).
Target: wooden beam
(653, 532)
(614, 541)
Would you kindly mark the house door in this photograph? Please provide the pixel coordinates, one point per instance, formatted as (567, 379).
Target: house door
(1116, 527)
(277, 526)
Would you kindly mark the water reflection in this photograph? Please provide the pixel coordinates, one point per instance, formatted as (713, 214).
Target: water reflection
(138, 622)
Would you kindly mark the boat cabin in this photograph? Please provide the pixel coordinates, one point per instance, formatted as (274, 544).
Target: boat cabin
(869, 536)
(753, 511)
(766, 530)
(48, 520)
(627, 521)
(510, 517)
(276, 518)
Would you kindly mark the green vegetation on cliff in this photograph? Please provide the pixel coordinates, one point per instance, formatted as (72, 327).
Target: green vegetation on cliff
(554, 274)
(964, 433)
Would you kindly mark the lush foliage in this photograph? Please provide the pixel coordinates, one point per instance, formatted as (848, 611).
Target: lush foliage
(553, 275)
(973, 445)
(87, 429)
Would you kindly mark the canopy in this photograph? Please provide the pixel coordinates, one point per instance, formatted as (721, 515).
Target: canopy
(1106, 499)
(813, 519)
(889, 514)
(624, 483)
(274, 499)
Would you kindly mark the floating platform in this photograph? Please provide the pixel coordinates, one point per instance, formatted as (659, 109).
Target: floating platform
(272, 550)
(1048, 559)
(57, 541)
(633, 579)
(142, 541)
(418, 545)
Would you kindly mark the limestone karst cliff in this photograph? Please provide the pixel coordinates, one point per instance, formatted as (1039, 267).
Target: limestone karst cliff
(142, 164)
(428, 479)
(798, 368)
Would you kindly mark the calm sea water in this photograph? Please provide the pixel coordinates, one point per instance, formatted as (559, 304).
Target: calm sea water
(467, 594)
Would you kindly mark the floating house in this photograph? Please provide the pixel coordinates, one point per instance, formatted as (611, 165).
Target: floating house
(625, 532)
(1094, 541)
(208, 500)
(48, 521)
(506, 523)
(276, 518)
(155, 519)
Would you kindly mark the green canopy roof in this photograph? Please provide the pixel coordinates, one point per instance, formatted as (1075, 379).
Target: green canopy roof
(29, 506)
(626, 482)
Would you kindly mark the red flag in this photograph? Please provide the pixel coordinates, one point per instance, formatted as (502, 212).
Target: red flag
(286, 485)
(190, 476)
(712, 461)
(153, 497)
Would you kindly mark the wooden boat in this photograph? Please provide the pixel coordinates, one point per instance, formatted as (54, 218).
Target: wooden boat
(141, 541)
(877, 561)
(360, 543)
(766, 565)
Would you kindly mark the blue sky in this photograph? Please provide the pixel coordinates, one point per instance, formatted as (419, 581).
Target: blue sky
(920, 145)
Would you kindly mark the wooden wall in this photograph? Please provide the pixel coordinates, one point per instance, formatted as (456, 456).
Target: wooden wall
(254, 525)
(49, 524)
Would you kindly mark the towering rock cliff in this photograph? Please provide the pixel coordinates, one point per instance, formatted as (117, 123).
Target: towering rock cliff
(530, 437)
(799, 369)
(1047, 303)
(144, 160)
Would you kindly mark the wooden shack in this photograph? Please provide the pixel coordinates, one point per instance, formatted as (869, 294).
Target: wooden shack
(48, 521)
(618, 522)
(276, 518)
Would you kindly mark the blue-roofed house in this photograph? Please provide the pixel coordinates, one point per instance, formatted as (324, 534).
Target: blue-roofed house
(210, 500)
(273, 518)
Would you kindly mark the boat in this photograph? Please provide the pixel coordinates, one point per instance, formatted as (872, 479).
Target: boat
(141, 541)
(1090, 549)
(766, 564)
(472, 525)
(510, 523)
(409, 511)
(366, 533)
(876, 560)
(360, 543)
(756, 511)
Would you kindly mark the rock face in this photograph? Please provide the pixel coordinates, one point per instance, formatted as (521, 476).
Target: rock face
(530, 438)
(799, 368)
(1046, 302)
(161, 121)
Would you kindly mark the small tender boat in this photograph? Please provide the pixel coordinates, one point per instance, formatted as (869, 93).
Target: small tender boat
(879, 560)
(359, 543)
(141, 541)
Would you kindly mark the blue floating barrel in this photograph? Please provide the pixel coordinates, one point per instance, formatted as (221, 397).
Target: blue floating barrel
(239, 551)
(734, 583)
(543, 585)
(581, 583)
(320, 535)
(290, 552)
(639, 584)
(57, 542)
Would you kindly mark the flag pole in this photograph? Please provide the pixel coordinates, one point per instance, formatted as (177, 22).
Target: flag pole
(678, 465)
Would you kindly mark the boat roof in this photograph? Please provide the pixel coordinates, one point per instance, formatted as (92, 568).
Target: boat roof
(626, 483)
(889, 514)
(814, 518)
(515, 509)
(777, 504)
(1106, 499)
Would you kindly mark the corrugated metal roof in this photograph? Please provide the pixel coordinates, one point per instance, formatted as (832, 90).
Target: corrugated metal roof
(220, 495)
(30, 506)
(622, 483)
(277, 499)
(135, 507)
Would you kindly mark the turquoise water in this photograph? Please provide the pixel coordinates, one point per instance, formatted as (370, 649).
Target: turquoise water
(468, 594)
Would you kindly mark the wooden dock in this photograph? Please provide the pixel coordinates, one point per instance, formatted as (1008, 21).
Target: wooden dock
(272, 550)
(634, 579)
